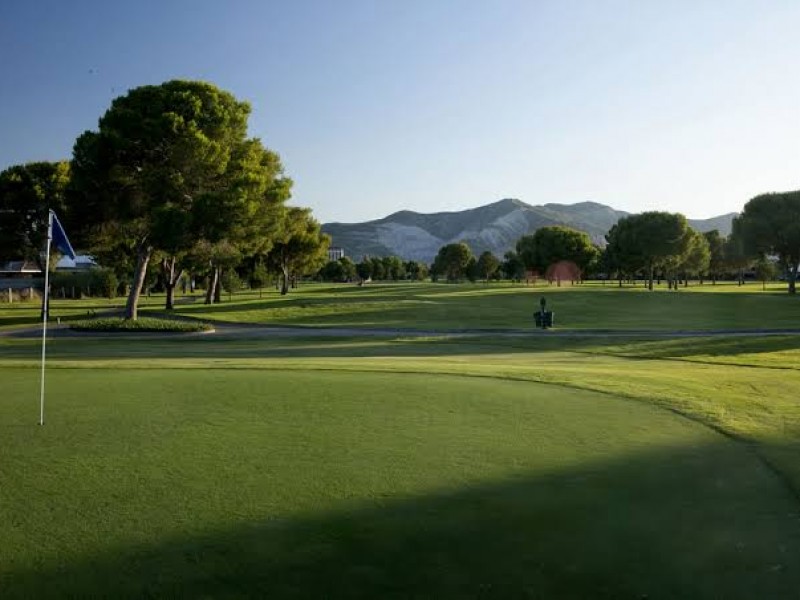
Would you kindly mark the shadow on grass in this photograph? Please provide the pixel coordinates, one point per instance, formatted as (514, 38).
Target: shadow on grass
(707, 521)
(442, 346)
(211, 347)
(444, 307)
(713, 347)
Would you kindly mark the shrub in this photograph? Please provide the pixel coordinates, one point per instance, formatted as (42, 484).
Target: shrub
(143, 324)
(94, 282)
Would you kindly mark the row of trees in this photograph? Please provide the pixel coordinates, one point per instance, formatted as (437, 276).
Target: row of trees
(170, 178)
(387, 268)
(652, 245)
(658, 244)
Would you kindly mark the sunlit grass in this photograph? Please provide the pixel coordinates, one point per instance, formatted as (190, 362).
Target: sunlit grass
(506, 306)
(177, 466)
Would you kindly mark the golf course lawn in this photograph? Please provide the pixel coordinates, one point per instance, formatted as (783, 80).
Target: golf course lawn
(259, 463)
(397, 467)
(441, 306)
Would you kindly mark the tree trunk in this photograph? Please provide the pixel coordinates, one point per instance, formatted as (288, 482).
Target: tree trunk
(650, 279)
(170, 280)
(132, 306)
(218, 288)
(284, 282)
(213, 278)
(793, 279)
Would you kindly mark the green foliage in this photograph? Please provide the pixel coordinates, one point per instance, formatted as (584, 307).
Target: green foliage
(716, 250)
(416, 271)
(332, 271)
(452, 261)
(259, 276)
(364, 270)
(648, 242)
(27, 193)
(97, 282)
(341, 270)
(230, 280)
(513, 268)
(299, 249)
(487, 265)
(142, 325)
(765, 270)
(377, 268)
(169, 166)
(697, 256)
(770, 224)
(552, 244)
(348, 268)
(393, 268)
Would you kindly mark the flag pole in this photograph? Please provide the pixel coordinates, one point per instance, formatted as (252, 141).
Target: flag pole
(46, 310)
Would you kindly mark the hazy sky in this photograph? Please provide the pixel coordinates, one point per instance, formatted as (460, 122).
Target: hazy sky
(377, 106)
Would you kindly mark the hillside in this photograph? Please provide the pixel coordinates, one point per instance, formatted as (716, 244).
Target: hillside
(495, 227)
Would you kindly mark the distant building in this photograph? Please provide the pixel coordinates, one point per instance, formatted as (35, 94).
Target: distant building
(82, 262)
(335, 253)
(19, 275)
(19, 268)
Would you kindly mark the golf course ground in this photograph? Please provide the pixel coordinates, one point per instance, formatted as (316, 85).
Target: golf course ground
(435, 445)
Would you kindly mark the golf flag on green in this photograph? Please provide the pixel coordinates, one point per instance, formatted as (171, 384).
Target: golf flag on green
(59, 237)
(55, 235)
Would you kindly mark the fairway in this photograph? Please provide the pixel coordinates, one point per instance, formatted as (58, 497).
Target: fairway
(213, 482)
(432, 306)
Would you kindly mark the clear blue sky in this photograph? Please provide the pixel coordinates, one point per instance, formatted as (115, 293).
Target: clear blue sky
(377, 106)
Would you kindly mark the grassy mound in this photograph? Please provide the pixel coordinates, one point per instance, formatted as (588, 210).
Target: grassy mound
(143, 324)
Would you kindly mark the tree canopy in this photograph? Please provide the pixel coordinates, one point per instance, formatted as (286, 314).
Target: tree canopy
(452, 261)
(648, 242)
(553, 244)
(170, 165)
(27, 193)
(770, 224)
(299, 248)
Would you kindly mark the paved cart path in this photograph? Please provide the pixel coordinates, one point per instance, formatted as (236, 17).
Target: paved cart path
(250, 331)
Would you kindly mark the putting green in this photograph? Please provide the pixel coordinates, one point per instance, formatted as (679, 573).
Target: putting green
(156, 482)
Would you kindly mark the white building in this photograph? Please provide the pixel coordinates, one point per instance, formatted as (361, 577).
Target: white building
(335, 253)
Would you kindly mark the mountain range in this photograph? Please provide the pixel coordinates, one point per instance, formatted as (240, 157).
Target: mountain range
(495, 227)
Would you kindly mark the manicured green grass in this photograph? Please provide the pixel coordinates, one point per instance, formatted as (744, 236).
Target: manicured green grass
(25, 314)
(172, 482)
(400, 466)
(477, 306)
(430, 306)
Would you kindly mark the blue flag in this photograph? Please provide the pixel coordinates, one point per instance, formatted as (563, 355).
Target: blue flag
(59, 237)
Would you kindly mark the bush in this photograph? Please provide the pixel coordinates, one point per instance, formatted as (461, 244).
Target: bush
(94, 282)
(144, 324)
(231, 282)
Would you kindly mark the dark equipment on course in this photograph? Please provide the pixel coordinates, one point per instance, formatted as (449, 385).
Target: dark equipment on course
(543, 318)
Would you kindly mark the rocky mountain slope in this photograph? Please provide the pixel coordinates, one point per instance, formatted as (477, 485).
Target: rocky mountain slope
(495, 227)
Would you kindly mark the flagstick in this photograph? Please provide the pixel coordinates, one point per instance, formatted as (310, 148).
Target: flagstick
(46, 310)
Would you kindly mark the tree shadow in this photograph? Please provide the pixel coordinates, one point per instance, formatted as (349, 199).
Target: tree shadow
(240, 345)
(722, 346)
(707, 521)
(283, 344)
